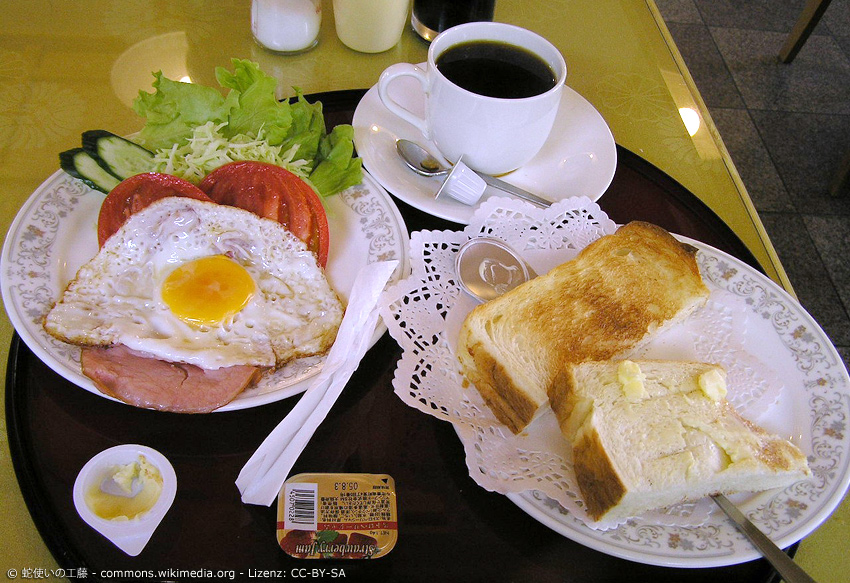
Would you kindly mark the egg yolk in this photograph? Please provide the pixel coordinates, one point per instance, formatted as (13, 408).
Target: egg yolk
(207, 290)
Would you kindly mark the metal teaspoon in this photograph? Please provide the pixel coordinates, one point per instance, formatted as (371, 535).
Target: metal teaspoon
(420, 161)
(488, 267)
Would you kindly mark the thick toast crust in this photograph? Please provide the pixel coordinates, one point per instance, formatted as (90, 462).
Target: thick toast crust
(600, 485)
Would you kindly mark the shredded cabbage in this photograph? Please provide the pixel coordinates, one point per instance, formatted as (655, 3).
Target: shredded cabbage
(208, 148)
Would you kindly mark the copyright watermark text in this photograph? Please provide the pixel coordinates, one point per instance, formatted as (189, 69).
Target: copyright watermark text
(296, 573)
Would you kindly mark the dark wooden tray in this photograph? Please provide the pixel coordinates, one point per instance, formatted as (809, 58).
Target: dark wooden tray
(450, 529)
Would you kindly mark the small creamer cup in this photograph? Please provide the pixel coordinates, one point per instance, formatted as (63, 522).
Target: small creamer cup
(462, 184)
(494, 135)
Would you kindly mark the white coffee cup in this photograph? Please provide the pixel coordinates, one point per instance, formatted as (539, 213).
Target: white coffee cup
(494, 135)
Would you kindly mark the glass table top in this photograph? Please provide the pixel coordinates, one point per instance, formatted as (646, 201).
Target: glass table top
(68, 67)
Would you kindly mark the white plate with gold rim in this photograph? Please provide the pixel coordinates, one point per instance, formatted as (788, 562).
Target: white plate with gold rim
(794, 384)
(813, 412)
(55, 232)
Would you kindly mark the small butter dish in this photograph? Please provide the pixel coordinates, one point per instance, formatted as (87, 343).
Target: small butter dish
(124, 492)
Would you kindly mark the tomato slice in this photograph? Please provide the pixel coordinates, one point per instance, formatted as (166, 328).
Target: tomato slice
(137, 192)
(274, 193)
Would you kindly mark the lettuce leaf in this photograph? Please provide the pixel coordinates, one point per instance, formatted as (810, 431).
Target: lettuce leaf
(337, 169)
(250, 110)
(176, 108)
(308, 129)
(258, 108)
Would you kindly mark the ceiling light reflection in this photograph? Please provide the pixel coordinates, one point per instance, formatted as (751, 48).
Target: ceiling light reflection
(133, 70)
(691, 119)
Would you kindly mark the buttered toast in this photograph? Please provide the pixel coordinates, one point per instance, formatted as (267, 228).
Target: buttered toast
(616, 294)
(649, 434)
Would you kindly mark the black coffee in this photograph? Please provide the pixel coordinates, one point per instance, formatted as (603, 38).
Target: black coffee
(496, 69)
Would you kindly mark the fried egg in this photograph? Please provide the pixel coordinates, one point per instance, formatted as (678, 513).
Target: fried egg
(201, 283)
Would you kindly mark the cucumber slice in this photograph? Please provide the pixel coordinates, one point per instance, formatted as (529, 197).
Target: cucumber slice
(79, 164)
(118, 156)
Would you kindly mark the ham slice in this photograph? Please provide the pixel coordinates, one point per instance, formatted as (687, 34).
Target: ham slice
(142, 381)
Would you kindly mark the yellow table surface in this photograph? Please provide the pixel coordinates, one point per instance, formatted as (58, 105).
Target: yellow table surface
(67, 67)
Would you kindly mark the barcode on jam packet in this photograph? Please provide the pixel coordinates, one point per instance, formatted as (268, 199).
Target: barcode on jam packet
(300, 505)
(337, 516)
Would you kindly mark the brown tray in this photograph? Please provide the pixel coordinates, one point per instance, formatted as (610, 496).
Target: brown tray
(450, 529)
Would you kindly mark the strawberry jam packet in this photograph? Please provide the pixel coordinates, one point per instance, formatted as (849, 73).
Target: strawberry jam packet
(337, 516)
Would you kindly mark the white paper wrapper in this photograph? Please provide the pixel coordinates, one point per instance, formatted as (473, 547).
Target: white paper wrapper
(425, 311)
(262, 476)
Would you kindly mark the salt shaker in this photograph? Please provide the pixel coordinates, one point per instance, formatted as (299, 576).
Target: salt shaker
(286, 26)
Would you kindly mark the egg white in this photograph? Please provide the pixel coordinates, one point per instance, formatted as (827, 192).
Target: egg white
(115, 298)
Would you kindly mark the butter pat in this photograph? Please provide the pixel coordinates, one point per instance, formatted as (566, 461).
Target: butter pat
(713, 384)
(125, 475)
(632, 379)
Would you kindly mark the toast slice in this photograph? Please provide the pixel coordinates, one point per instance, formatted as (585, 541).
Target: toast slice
(649, 434)
(616, 294)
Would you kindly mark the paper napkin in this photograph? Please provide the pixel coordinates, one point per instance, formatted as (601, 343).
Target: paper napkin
(261, 478)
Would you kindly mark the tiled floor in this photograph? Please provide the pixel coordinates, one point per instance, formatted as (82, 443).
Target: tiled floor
(787, 127)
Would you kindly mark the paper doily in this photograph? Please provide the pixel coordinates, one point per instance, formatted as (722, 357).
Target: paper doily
(425, 311)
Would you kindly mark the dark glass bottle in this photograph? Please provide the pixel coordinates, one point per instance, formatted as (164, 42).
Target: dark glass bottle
(431, 17)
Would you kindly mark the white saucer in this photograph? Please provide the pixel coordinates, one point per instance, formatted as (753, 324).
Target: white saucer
(579, 159)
